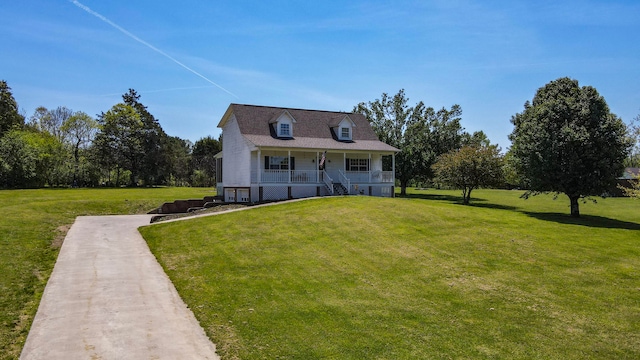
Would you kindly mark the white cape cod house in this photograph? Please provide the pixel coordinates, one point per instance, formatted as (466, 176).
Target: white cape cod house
(272, 153)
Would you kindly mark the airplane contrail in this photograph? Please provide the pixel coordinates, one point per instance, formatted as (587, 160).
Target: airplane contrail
(124, 31)
(163, 90)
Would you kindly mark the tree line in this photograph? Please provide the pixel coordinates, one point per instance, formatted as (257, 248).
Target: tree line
(566, 141)
(125, 146)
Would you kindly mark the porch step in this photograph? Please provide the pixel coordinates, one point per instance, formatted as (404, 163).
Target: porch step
(339, 189)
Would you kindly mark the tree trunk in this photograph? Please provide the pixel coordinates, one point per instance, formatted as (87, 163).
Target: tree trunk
(76, 167)
(403, 188)
(575, 206)
(466, 196)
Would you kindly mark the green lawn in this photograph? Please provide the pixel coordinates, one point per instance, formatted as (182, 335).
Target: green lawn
(413, 278)
(32, 226)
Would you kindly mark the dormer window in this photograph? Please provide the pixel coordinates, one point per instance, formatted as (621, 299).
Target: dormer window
(284, 130)
(345, 133)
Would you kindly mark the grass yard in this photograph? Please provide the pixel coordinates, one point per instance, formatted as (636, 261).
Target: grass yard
(32, 228)
(413, 278)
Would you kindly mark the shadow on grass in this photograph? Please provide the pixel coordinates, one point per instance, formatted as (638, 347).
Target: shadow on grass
(562, 218)
(475, 202)
(450, 198)
(585, 220)
(492, 206)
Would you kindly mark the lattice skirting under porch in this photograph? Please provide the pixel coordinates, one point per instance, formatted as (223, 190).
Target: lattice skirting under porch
(266, 193)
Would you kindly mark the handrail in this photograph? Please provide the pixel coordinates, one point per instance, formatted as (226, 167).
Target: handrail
(344, 180)
(328, 181)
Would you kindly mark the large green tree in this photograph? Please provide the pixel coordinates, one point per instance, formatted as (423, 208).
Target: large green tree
(567, 141)
(177, 167)
(389, 117)
(155, 141)
(79, 131)
(18, 160)
(119, 142)
(420, 132)
(54, 167)
(66, 134)
(131, 139)
(9, 115)
(31, 159)
(513, 177)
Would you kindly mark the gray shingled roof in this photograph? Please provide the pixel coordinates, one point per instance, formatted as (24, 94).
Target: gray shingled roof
(311, 130)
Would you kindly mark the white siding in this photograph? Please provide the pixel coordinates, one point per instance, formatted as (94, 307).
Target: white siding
(334, 163)
(305, 160)
(376, 162)
(236, 156)
(254, 161)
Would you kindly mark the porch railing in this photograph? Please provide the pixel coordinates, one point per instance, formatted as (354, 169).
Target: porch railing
(375, 176)
(386, 177)
(304, 176)
(311, 176)
(327, 181)
(285, 176)
(357, 176)
(344, 180)
(275, 176)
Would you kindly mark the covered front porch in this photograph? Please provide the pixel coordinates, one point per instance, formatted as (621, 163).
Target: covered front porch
(350, 170)
(318, 176)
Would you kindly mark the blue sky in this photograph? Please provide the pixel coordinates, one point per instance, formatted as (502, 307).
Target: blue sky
(190, 59)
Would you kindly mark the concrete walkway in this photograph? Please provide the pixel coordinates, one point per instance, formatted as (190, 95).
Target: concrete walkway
(108, 298)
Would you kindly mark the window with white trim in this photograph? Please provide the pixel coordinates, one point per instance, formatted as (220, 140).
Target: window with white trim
(357, 165)
(278, 163)
(345, 133)
(285, 130)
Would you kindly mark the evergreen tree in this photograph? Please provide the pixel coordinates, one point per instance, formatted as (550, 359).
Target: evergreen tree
(154, 141)
(9, 115)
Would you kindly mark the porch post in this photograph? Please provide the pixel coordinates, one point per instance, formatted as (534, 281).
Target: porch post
(259, 167)
(393, 174)
(344, 162)
(369, 168)
(289, 155)
(317, 167)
